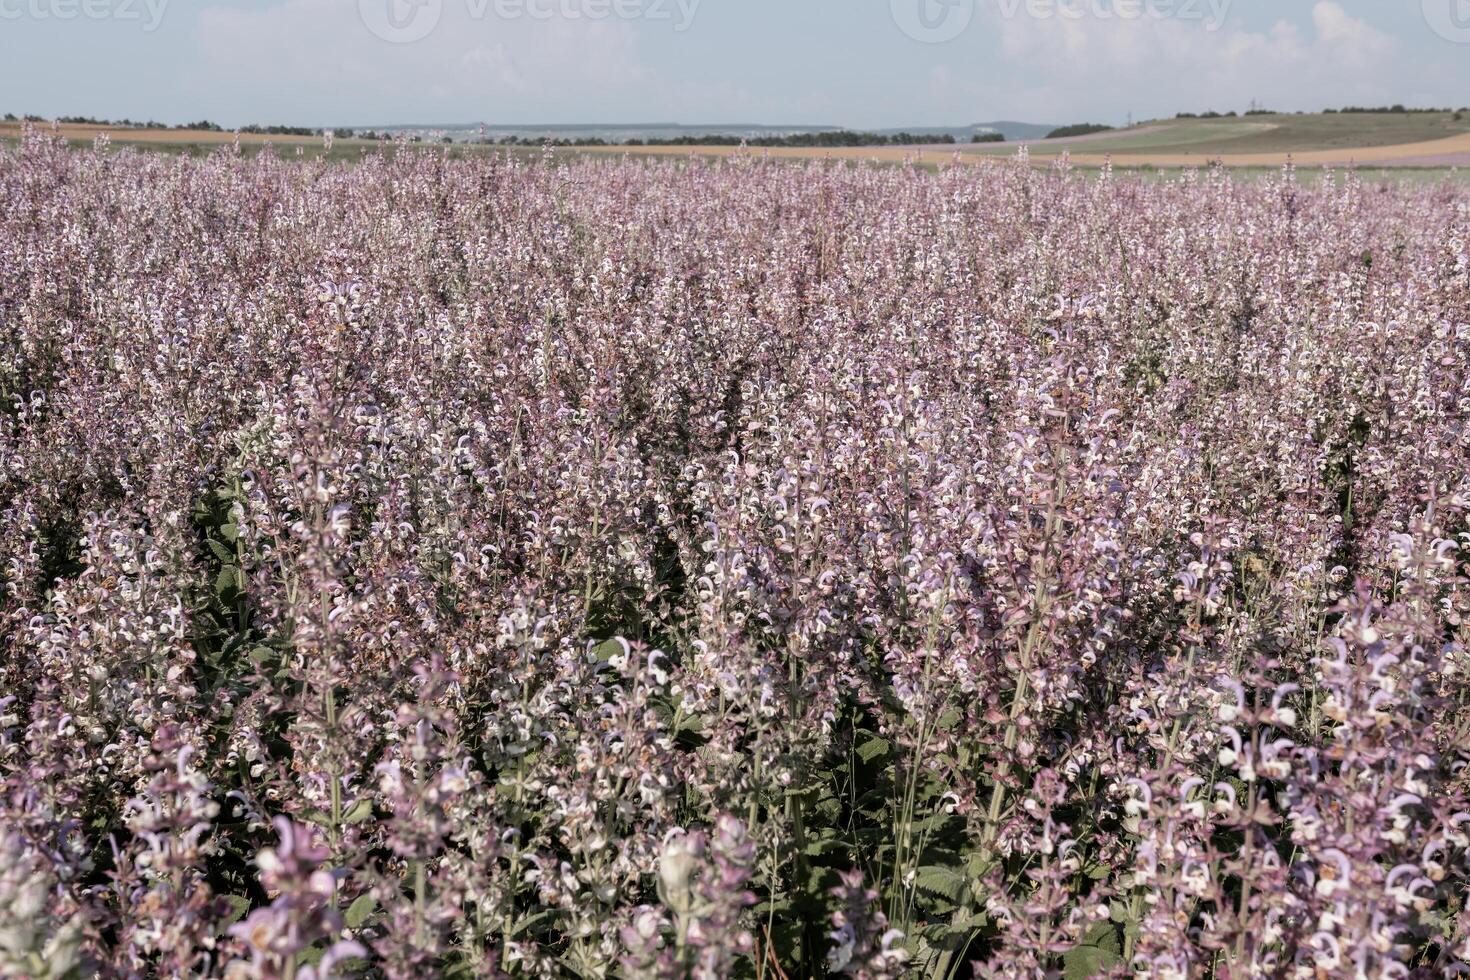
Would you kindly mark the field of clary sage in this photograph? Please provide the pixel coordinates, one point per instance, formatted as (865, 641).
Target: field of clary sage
(477, 567)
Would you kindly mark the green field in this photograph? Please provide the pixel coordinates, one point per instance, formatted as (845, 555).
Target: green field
(1275, 133)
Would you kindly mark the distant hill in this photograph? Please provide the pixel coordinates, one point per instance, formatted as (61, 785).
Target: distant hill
(1012, 130)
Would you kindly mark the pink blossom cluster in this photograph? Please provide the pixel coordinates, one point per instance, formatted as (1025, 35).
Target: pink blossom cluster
(467, 566)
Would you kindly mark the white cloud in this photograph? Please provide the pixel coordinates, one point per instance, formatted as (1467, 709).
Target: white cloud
(1063, 68)
(1349, 38)
(321, 54)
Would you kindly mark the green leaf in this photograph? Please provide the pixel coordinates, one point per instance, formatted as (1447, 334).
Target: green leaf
(229, 532)
(939, 880)
(826, 845)
(221, 553)
(978, 863)
(361, 810)
(526, 922)
(607, 649)
(828, 809)
(873, 748)
(934, 821)
(358, 912)
(1094, 955)
(229, 581)
(239, 906)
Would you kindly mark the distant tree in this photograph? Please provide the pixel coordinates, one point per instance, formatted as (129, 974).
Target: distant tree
(280, 130)
(1384, 110)
(834, 138)
(988, 138)
(1079, 129)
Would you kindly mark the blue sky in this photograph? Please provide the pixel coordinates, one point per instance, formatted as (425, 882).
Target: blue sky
(860, 63)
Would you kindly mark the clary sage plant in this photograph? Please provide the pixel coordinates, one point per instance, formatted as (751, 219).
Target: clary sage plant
(445, 565)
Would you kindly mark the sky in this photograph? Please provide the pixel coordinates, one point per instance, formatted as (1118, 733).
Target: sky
(856, 63)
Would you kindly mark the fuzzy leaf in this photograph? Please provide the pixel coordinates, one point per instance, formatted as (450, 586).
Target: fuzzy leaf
(229, 581)
(873, 748)
(608, 649)
(358, 912)
(1095, 954)
(939, 880)
(826, 845)
(361, 810)
(239, 906)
